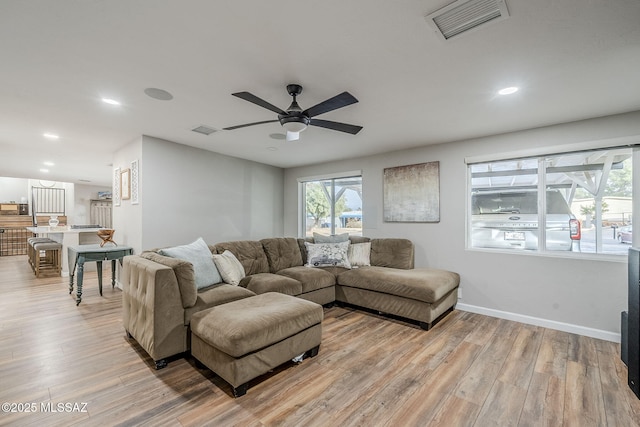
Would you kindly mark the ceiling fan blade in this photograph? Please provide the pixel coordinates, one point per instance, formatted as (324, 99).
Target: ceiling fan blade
(258, 101)
(342, 127)
(338, 101)
(250, 124)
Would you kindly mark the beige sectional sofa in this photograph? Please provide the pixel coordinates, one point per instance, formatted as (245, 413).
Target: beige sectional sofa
(160, 297)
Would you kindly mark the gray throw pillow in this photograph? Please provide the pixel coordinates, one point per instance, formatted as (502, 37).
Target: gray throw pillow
(328, 254)
(336, 238)
(197, 253)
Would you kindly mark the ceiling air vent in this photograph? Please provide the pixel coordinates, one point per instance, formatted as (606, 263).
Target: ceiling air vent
(464, 15)
(205, 130)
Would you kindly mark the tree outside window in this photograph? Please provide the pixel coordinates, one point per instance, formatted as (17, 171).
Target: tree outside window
(333, 206)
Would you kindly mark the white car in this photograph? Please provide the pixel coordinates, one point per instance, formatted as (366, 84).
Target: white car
(508, 219)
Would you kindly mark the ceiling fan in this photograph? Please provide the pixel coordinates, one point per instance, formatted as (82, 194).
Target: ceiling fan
(295, 120)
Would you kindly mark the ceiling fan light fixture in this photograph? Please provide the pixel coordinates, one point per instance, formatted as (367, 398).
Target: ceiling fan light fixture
(293, 136)
(294, 127)
(295, 121)
(294, 124)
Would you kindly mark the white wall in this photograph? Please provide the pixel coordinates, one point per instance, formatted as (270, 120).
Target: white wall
(14, 190)
(82, 202)
(186, 193)
(582, 295)
(127, 218)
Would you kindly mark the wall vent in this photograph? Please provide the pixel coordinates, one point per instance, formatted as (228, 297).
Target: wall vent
(205, 130)
(465, 15)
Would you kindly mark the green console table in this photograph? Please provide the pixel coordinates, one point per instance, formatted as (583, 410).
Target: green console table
(80, 254)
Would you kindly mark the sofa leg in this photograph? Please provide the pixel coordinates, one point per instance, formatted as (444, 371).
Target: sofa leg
(241, 390)
(313, 352)
(426, 326)
(162, 363)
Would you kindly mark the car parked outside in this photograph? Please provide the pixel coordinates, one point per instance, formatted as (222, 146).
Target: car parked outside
(508, 219)
(625, 234)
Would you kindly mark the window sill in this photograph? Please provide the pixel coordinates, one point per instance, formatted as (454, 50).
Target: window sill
(581, 256)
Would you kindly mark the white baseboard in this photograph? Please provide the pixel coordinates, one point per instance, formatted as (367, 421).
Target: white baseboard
(536, 321)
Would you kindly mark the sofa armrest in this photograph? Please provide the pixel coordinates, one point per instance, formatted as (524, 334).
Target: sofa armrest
(152, 307)
(184, 272)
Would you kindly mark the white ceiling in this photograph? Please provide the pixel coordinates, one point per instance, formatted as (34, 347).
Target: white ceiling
(572, 59)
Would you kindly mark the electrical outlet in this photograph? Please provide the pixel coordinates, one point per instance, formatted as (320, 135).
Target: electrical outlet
(459, 293)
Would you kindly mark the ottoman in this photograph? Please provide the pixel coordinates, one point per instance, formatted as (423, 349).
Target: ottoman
(244, 339)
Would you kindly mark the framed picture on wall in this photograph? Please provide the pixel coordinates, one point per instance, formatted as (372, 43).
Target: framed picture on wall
(412, 193)
(125, 184)
(116, 187)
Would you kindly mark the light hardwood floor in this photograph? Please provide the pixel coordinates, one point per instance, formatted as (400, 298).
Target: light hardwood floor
(469, 370)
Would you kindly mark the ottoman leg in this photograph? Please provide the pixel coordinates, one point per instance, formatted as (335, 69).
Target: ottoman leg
(241, 390)
(425, 326)
(313, 352)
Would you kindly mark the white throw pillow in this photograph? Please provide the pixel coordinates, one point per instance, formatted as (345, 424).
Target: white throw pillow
(230, 268)
(327, 254)
(360, 254)
(197, 253)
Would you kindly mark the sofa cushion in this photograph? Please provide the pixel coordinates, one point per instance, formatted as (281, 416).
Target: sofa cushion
(183, 271)
(268, 282)
(310, 278)
(358, 239)
(282, 252)
(249, 253)
(197, 253)
(394, 253)
(212, 296)
(422, 284)
(328, 254)
(241, 327)
(230, 268)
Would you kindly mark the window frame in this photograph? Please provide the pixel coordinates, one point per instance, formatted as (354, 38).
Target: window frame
(302, 210)
(542, 155)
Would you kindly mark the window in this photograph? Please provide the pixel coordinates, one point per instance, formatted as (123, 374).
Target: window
(583, 199)
(333, 206)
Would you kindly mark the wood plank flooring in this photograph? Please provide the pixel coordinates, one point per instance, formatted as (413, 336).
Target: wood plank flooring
(469, 370)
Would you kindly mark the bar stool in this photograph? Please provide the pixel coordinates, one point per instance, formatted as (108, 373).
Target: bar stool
(31, 251)
(52, 259)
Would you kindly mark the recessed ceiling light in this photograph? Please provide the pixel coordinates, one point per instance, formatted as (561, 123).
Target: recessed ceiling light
(508, 90)
(50, 136)
(48, 163)
(277, 136)
(272, 148)
(44, 170)
(110, 101)
(160, 94)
